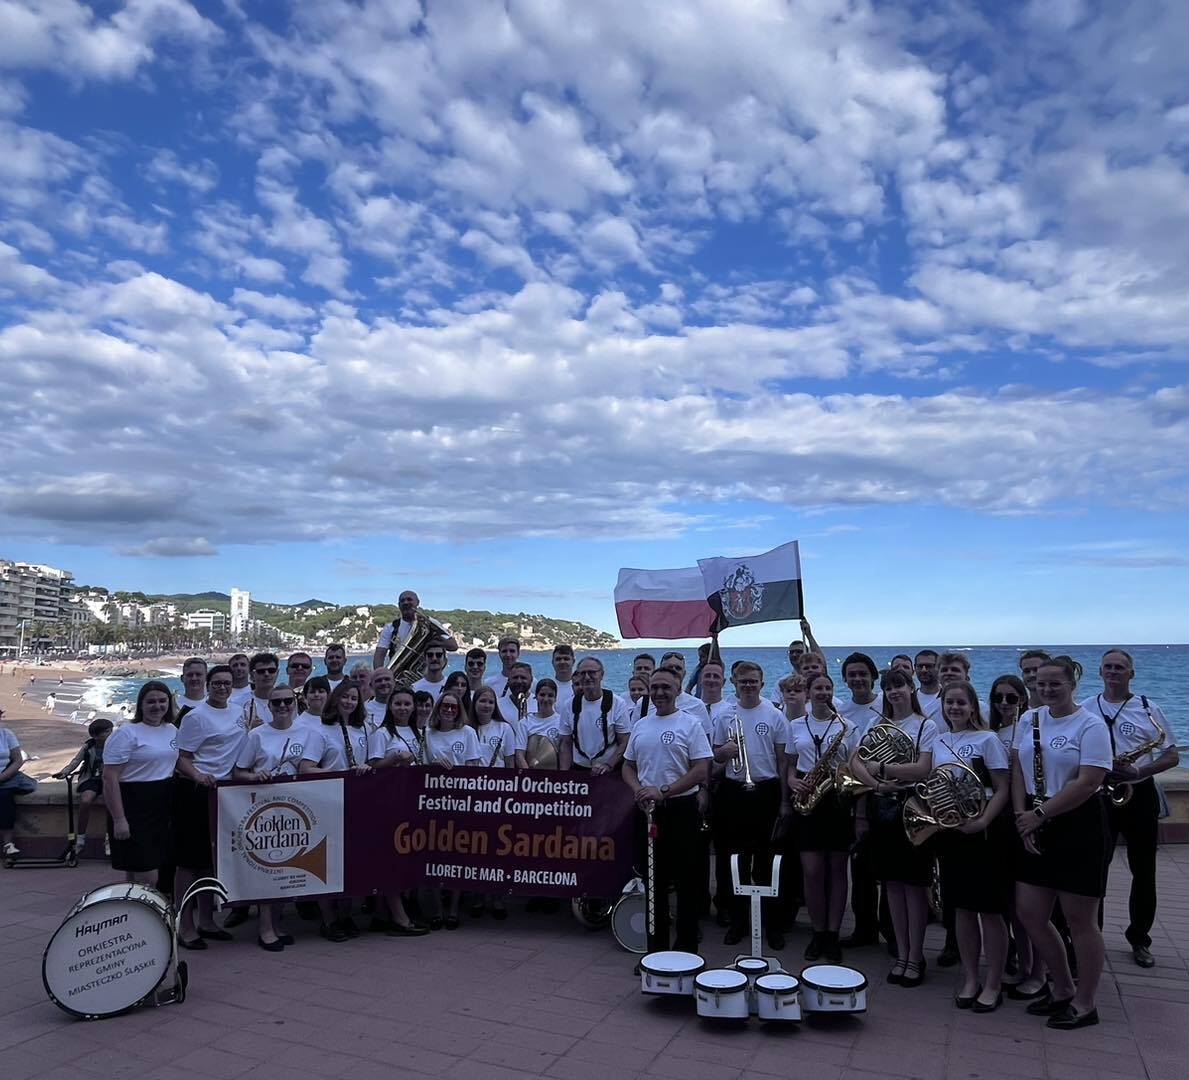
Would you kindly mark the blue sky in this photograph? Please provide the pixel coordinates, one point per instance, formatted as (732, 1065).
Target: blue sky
(492, 299)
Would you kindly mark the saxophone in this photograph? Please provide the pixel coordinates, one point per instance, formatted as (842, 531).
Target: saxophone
(1120, 793)
(821, 777)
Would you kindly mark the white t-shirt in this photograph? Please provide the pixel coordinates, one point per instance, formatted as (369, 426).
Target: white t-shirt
(498, 731)
(860, 717)
(1133, 725)
(565, 695)
(146, 752)
(1007, 737)
(764, 731)
(664, 748)
(458, 746)
(1066, 745)
(434, 688)
(327, 742)
(500, 682)
(930, 705)
(801, 741)
(373, 712)
(590, 745)
(549, 726)
(402, 632)
(380, 744)
(256, 708)
(336, 683)
(274, 750)
(923, 734)
(214, 737)
(8, 743)
(240, 695)
(970, 747)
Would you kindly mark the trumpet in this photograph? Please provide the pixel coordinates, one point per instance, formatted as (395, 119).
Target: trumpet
(741, 762)
(884, 744)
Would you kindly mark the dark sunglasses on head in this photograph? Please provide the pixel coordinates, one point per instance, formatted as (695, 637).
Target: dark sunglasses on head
(1007, 699)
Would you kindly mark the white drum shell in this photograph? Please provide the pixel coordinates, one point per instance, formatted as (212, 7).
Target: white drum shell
(833, 988)
(721, 994)
(111, 952)
(778, 997)
(670, 972)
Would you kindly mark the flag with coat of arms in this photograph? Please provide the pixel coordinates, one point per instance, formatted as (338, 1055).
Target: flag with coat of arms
(755, 588)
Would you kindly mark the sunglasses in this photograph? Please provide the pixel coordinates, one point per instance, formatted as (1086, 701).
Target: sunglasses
(220, 685)
(284, 702)
(265, 671)
(448, 708)
(296, 663)
(1007, 699)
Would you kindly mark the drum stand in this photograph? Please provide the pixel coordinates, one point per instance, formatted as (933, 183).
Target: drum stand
(757, 893)
(179, 972)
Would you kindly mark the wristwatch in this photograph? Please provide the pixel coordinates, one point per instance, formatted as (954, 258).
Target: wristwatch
(1039, 811)
(664, 791)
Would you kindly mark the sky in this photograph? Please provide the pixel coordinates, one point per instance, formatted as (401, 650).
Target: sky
(492, 299)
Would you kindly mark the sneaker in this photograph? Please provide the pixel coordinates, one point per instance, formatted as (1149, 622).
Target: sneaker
(80, 842)
(11, 851)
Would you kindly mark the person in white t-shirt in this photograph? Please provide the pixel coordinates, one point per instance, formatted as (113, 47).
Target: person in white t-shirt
(666, 761)
(264, 667)
(315, 695)
(435, 671)
(11, 760)
(540, 734)
(193, 684)
(1030, 662)
(637, 689)
(1062, 754)
(929, 688)
(138, 763)
(685, 700)
(335, 659)
(509, 653)
(475, 666)
(864, 706)
(382, 682)
(395, 632)
(563, 674)
(497, 737)
(954, 667)
(516, 697)
(241, 681)
(209, 739)
(594, 733)
(298, 668)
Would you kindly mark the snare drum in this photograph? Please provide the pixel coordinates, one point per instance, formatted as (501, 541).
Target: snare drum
(778, 997)
(113, 951)
(670, 972)
(833, 988)
(721, 993)
(629, 918)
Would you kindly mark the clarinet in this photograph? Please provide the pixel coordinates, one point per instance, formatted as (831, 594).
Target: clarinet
(1039, 783)
(495, 752)
(347, 746)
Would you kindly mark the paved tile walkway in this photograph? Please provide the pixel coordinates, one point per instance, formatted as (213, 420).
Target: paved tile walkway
(538, 996)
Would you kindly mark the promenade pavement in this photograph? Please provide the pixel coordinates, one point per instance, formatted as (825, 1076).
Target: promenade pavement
(539, 996)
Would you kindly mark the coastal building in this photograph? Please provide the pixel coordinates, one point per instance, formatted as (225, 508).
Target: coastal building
(241, 613)
(207, 619)
(32, 596)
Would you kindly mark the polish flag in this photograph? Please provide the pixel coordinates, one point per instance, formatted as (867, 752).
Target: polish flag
(663, 604)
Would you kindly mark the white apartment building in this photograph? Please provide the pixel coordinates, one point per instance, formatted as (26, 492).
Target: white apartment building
(241, 612)
(207, 619)
(31, 593)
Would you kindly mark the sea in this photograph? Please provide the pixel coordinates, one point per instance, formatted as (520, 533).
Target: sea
(1162, 671)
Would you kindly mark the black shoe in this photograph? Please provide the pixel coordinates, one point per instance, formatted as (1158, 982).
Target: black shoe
(368, 907)
(271, 946)
(914, 974)
(332, 932)
(435, 923)
(775, 940)
(813, 951)
(831, 949)
(722, 917)
(396, 929)
(1016, 994)
(348, 927)
(948, 956)
(858, 939)
(1139, 954)
(1069, 1018)
(475, 911)
(734, 935)
(1048, 1006)
(307, 910)
(451, 922)
(499, 914)
(378, 925)
(196, 945)
(981, 1007)
(285, 939)
(894, 979)
(238, 917)
(961, 1002)
(215, 935)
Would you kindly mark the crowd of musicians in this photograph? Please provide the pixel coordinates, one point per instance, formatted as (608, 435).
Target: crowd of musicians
(897, 793)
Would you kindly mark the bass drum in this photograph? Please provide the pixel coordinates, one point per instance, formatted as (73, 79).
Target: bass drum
(629, 918)
(113, 951)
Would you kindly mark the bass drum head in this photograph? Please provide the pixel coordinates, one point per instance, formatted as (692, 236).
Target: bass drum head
(629, 922)
(777, 983)
(834, 978)
(110, 953)
(591, 912)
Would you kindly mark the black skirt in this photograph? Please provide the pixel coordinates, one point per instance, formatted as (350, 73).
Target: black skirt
(977, 869)
(892, 854)
(1072, 849)
(148, 808)
(191, 824)
(828, 828)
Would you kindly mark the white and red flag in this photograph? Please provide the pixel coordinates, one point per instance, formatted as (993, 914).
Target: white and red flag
(663, 604)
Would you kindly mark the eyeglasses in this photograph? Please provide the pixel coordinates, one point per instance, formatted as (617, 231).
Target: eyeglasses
(447, 708)
(1007, 699)
(284, 702)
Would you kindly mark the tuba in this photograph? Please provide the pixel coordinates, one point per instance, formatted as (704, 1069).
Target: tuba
(948, 797)
(884, 744)
(407, 661)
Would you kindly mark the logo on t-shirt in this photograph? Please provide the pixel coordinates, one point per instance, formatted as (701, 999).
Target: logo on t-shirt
(173, 744)
(295, 750)
(1057, 741)
(762, 728)
(457, 746)
(1127, 728)
(966, 751)
(667, 737)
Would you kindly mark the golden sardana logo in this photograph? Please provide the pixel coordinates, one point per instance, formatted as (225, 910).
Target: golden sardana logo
(281, 832)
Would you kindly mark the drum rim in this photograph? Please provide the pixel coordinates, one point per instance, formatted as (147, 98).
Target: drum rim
(701, 966)
(80, 907)
(808, 981)
(739, 989)
(752, 960)
(763, 989)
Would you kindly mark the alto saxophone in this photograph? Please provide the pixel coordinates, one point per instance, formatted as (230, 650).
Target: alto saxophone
(821, 777)
(1120, 793)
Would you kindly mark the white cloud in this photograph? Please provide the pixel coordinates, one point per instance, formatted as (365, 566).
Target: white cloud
(171, 547)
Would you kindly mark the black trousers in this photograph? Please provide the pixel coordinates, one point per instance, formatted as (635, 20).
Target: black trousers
(678, 852)
(747, 819)
(1137, 824)
(868, 905)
